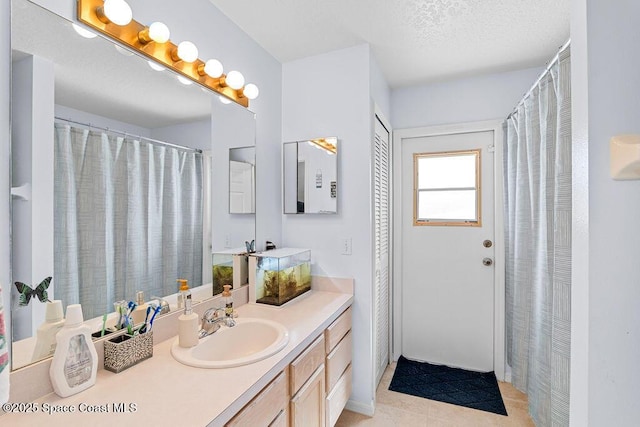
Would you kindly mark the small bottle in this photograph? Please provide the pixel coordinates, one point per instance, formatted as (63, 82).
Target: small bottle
(227, 300)
(183, 288)
(140, 311)
(46, 334)
(187, 323)
(75, 361)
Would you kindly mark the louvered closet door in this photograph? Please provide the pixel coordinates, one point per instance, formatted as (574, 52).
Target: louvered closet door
(382, 227)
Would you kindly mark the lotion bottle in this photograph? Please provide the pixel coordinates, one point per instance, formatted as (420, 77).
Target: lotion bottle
(46, 334)
(182, 291)
(187, 324)
(75, 361)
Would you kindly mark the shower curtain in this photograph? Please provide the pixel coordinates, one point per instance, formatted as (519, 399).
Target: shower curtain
(538, 244)
(128, 218)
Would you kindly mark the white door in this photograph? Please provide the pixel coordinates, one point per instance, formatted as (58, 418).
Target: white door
(240, 187)
(447, 249)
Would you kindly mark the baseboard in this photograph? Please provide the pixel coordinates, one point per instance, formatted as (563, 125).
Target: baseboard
(360, 408)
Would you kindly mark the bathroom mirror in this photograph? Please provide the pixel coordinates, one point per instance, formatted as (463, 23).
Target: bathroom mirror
(310, 176)
(242, 185)
(107, 89)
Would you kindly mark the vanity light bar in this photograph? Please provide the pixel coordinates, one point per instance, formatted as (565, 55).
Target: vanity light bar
(134, 36)
(325, 144)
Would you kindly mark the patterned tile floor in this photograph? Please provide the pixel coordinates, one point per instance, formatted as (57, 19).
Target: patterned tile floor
(398, 409)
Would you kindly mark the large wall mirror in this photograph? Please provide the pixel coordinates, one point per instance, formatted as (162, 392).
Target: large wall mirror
(90, 118)
(242, 181)
(310, 176)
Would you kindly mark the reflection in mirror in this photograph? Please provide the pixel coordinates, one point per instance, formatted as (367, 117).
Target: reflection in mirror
(310, 175)
(242, 185)
(118, 114)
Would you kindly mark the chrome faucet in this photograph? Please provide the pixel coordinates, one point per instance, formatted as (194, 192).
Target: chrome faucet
(211, 321)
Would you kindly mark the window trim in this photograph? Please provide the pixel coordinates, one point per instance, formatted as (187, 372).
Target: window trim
(448, 222)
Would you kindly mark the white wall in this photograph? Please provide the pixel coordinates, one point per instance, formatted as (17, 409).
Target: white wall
(329, 95)
(471, 99)
(612, 331)
(32, 151)
(99, 121)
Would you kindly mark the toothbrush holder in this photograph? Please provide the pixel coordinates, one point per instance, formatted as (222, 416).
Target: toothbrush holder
(124, 351)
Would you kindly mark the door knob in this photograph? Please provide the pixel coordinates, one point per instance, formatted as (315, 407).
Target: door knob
(487, 261)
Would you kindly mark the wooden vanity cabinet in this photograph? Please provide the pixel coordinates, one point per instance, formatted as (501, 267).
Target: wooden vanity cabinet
(313, 390)
(269, 408)
(338, 349)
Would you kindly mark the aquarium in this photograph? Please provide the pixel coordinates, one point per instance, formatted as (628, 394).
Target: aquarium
(230, 267)
(281, 275)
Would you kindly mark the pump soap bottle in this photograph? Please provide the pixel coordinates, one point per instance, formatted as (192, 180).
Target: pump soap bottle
(46, 334)
(227, 300)
(75, 362)
(182, 291)
(187, 323)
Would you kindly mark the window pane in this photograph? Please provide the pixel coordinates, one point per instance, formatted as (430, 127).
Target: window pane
(447, 205)
(452, 171)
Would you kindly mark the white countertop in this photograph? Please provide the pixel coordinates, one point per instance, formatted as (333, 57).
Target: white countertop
(165, 392)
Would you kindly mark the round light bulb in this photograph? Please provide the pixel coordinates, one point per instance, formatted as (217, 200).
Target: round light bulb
(187, 51)
(185, 81)
(159, 32)
(213, 68)
(117, 11)
(235, 80)
(83, 32)
(224, 100)
(155, 66)
(251, 91)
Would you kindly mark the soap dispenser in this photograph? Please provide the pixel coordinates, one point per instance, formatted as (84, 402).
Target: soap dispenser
(75, 362)
(187, 324)
(227, 300)
(182, 291)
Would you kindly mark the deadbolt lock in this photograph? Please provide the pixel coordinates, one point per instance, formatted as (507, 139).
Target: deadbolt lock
(487, 243)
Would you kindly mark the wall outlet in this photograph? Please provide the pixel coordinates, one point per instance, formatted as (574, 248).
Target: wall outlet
(346, 246)
(227, 241)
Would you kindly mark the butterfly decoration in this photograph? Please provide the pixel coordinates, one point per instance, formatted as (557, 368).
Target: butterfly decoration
(251, 247)
(26, 292)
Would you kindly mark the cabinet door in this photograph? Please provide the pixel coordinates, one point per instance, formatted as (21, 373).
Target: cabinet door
(308, 405)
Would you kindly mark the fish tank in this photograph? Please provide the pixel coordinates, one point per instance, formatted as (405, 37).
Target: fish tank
(281, 275)
(230, 267)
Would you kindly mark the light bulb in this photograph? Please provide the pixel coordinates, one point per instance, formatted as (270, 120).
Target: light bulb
(117, 11)
(83, 32)
(224, 100)
(159, 32)
(213, 68)
(251, 91)
(185, 81)
(187, 51)
(156, 66)
(235, 80)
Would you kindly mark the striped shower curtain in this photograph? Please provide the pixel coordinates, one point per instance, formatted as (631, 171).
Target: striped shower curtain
(538, 244)
(127, 218)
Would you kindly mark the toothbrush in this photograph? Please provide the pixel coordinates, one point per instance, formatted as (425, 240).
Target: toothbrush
(104, 324)
(144, 327)
(156, 311)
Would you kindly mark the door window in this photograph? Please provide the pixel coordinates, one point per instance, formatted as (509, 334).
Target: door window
(447, 188)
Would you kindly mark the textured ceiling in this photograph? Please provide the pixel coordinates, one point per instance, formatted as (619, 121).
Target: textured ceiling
(414, 41)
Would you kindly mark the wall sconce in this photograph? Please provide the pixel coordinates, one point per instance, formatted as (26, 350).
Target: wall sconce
(114, 19)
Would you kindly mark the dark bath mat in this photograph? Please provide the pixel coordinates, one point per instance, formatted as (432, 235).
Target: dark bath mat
(477, 390)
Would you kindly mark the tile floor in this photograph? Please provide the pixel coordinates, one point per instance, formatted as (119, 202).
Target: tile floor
(398, 409)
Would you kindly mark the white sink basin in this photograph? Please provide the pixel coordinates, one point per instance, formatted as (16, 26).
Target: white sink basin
(249, 341)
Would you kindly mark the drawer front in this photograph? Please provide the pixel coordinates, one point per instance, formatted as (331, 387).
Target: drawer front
(266, 406)
(306, 364)
(338, 360)
(338, 329)
(338, 397)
